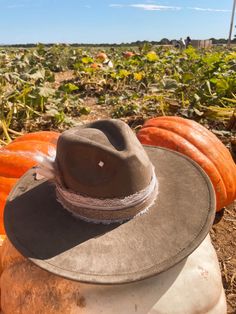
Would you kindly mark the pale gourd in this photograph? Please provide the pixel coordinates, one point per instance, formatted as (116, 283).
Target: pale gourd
(193, 286)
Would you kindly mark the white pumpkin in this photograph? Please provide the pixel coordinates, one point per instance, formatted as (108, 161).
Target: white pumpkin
(193, 286)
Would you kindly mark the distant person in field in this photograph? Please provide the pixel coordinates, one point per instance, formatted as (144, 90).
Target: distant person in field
(182, 43)
(187, 41)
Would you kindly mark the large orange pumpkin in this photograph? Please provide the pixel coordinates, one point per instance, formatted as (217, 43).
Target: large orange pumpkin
(195, 141)
(18, 157)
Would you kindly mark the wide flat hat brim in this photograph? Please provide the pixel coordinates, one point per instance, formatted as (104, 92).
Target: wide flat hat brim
(46, 233)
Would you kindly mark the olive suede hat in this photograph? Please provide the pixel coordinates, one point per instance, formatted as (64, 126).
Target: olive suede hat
(114, 211)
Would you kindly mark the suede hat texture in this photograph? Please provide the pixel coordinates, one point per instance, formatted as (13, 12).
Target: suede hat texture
(159, 205)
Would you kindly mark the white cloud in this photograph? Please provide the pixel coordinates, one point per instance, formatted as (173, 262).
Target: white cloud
(146, 7)
(116, 5)
(153, 7)
(209, 9)
(16, 6)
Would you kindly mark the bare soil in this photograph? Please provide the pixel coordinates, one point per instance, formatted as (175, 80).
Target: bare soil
(63, 77)
(223, 235)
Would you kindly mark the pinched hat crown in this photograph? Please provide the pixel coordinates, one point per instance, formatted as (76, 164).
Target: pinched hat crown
(103, 173)
(103, 160)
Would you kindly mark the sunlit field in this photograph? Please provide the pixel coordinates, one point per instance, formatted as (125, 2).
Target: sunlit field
(54, 88)
(45, 88)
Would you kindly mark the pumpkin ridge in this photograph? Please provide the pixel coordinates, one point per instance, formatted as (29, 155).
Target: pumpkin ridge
(30, 146)
(194, 125)
(6, 184)
(229, 178)
(10, 254)
(226, 160)
(14, 165)
(181, 145)
(41, 136)
(18, 157)
(3, 197)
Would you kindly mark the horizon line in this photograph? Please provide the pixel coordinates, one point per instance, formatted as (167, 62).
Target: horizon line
(101, 43)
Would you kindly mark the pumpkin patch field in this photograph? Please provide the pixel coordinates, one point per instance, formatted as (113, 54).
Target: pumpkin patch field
(180, 99)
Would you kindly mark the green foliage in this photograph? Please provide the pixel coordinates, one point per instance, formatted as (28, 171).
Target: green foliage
(193, 83)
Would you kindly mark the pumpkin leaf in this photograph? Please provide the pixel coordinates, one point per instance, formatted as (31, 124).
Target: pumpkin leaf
(46, 91)
(87, 60)
(170, 83)
(40, 74)
(187, 77)
(152, 56)
(69, 88)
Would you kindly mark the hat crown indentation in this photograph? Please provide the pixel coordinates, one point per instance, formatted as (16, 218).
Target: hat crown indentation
(126, 166)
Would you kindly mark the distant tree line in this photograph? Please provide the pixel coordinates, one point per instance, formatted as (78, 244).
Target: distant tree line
(163, 41)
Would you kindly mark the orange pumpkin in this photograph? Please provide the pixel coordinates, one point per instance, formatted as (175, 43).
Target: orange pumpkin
(42, 136)
(96, 66)
(195, 141)
(101, 56)
(128, 54)
(18, 157)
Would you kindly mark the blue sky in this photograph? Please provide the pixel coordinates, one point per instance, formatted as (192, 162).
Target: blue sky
(112, 21)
